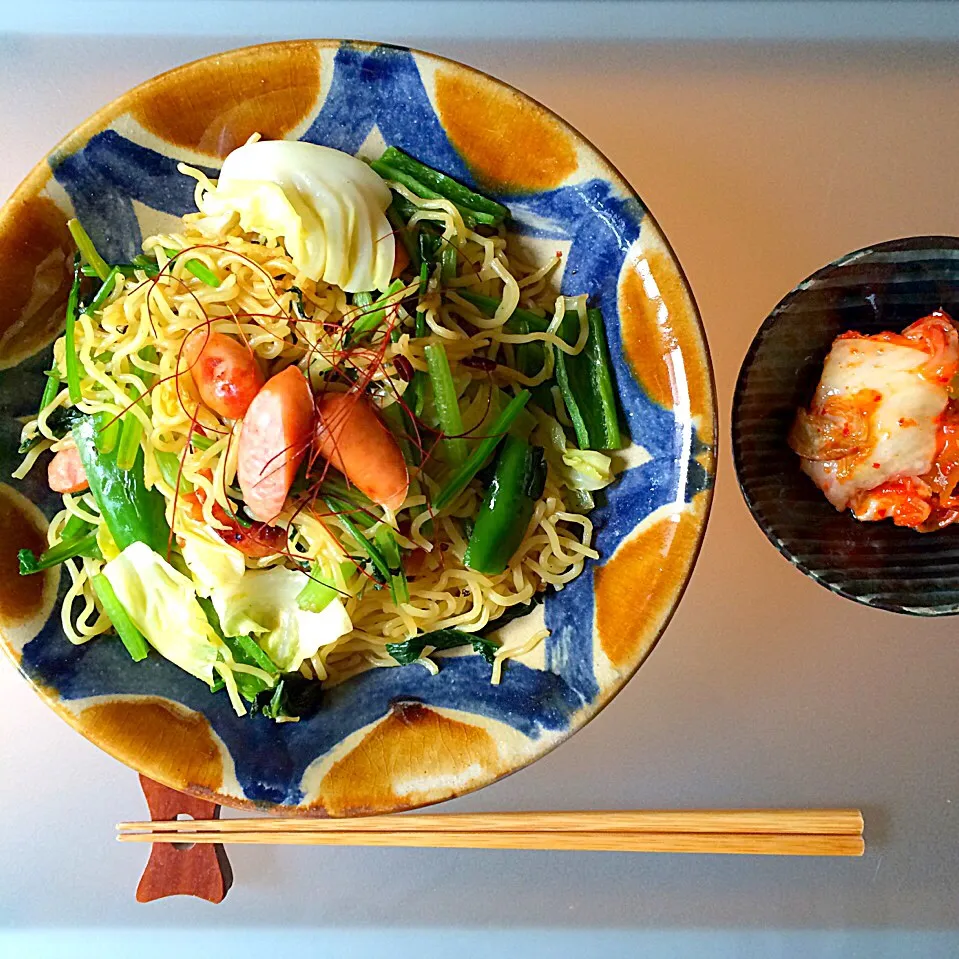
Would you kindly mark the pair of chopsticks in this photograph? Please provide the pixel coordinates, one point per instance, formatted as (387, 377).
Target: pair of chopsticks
(772, 832)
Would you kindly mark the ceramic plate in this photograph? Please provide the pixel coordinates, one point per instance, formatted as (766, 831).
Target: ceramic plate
(389, 739)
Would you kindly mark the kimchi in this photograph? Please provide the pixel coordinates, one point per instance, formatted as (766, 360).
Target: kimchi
(881, 436)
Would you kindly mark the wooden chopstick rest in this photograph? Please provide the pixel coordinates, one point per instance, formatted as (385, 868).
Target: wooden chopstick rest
(202, 870)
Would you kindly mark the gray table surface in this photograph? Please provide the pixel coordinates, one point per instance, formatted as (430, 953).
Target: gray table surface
(761, 162)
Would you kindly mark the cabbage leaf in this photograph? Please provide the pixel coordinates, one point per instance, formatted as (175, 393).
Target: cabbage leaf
(212, 562)
(264, 603)
(162, 604)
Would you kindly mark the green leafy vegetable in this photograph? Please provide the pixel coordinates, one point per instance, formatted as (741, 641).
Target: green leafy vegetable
(529, 356)
(481, 452)
(585, 380)
(74, 526)
(518, 611)
(245, 650)
(403, 209)
(410, 650)
(272, 705)
(50, 390)
(63, 419)
(293, 697)
(148, 264)
(334, 486)
(429, 244)
(82, 544)
(131, 512)
(129, 635)
(415, 395)
(142, 262)
(488, 305)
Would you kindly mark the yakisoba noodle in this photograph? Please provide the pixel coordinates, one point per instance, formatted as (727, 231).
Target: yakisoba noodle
(287, 318)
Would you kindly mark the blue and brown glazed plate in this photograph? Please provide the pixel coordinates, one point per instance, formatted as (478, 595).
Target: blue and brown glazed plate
(388, 739)
(882, 287)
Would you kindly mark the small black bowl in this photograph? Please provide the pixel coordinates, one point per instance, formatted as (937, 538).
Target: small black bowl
(884, 287)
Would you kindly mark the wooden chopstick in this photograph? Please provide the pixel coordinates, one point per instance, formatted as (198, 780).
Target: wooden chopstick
(742, 843)
(800, 832)
(833, 822)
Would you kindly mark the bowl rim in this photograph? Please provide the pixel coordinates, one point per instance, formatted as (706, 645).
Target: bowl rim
(923, 241)
(75, 139)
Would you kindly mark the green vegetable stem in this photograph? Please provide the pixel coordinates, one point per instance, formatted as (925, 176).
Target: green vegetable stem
(50, 390)
(130, 432)
(585, 380)
(379, 561)
(529, 356)
(106, 288)
(415, 395)
(501, 523)
(87, 250)
(385, 541)
(373, 311)
(130, 636)
(447, 404)
(319, 592)
(70, 335)
(443, 185)
(482, 450)
(448, 262)
(586, 384)
(169, 466)
(243, 649)
(199, 269)
(403, 232)
(471, 218)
